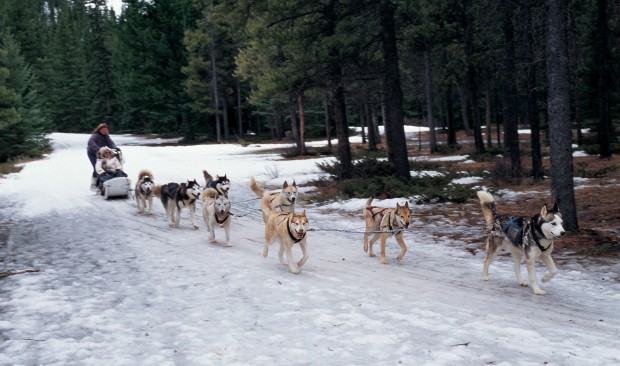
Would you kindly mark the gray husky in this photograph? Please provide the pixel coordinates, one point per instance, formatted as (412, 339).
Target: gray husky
(529, 237)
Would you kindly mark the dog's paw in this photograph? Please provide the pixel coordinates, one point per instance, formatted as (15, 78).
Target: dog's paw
(371, 254)
(295, 270)
(384, 261)
(213, 240)
(196, 227)
(523, 283)
(539, 291)
(547, 277)
(486, 278)
(229, 244)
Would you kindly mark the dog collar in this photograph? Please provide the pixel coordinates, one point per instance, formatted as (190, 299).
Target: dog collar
(536, 239)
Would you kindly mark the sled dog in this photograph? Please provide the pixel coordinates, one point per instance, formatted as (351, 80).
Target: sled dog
(175, 197)
(220, 184)
(529, 237)
(385, 222)
(216, 212)
(289, 229)
(144, 191)
(283, 199)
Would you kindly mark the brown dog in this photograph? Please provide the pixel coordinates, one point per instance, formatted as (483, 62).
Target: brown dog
(289, 229)
(384, 222)
(283, 199)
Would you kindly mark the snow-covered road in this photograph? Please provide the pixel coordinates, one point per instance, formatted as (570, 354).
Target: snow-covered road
(120, 288)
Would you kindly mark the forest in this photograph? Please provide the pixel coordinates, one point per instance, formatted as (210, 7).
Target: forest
(229, 70)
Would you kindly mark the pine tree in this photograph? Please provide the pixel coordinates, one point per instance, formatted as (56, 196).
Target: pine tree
(22, 125)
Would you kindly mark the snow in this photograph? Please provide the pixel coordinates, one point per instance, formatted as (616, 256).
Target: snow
(120, 288)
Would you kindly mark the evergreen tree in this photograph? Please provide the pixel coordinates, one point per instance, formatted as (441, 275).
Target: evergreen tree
(22, 125)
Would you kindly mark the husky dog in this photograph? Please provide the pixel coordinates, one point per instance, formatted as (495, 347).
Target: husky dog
(144, 191)
(175, 197)
(220, 184)
(529, 237)
(288, 228)
(283, 199)
(385, 222)
(216, 211)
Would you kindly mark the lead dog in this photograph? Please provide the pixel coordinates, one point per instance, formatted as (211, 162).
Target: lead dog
(220, 184)
(289, 229)
(384, 222)
(144, 191)
(283, 199)
(529, 237)
(216, 212)
(175, 197)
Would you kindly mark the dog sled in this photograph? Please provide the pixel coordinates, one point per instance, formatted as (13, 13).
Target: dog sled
(113, 181)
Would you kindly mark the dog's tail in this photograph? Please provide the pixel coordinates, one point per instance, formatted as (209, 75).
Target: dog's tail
(368, 202)
(208, 177)
(145, 173)
(488, 207)
(258, 190)
(208, 193)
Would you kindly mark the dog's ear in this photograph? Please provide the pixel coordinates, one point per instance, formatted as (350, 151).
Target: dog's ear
(294, 185)
(406, 204)
(544, 211)
(555, 208)
(285, 184)
(303, 213)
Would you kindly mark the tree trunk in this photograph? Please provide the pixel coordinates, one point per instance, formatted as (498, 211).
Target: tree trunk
(450, 119)
(532, 103)
(432, 139)
(488, 121)
(225, 118)
(328, 129)
(294, 127)
(602, 66)
(216, 96)
(394, 126)
(342, 127)
(509, 91)
(239, 119)
(472, 93)
(558, 101)
(464, 114)
(302, 124)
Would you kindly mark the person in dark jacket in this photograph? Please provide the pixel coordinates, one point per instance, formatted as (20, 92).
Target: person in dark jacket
(98, 139)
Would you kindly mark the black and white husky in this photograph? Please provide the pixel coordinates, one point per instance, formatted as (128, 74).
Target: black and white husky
(144, 191)
(176, 196)
(529, 237)
(216, 212)
(220, 184)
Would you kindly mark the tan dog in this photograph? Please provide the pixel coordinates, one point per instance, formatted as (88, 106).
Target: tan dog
(289, 229)
(283, 199)
(385, 222)
(216, 212)
(144, 191)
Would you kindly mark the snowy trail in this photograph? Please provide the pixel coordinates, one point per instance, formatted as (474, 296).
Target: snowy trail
(121, 288)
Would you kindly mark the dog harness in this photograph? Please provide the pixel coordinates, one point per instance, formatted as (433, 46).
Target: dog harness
(513, 227)
(220, 222)
(513, 231)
